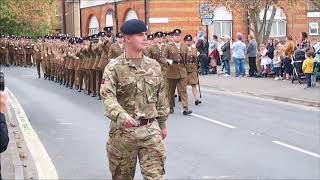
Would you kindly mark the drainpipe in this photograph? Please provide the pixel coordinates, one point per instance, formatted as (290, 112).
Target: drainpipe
(116, 15)
(80, 18)
(145, 13)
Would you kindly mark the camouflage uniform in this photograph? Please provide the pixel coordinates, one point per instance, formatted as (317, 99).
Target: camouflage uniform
(130, 91)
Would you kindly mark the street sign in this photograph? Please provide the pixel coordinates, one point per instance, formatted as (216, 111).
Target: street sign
(206, 16)
(205, 8)
(207, 22)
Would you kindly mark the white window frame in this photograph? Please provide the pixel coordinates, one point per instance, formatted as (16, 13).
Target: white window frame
(277, 21)
(93, 31)
(220, 22)
(317, 28)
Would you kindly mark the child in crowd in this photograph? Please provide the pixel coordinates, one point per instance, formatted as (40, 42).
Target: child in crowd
(265, 60)
(277, 65)
(308, 67)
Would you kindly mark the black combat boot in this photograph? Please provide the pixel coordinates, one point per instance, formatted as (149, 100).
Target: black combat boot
(197, 102)
(186, 111)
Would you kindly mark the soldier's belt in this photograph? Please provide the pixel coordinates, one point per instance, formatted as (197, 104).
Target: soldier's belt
(180, 62)
(143, 122)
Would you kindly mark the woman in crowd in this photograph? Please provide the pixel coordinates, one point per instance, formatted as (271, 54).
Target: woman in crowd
(288, 52)
(238, 52)
(252, 55)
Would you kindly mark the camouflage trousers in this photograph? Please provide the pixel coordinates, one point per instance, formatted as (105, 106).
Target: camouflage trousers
(126, 145)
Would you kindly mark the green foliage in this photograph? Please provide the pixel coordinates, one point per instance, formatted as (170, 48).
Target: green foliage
(24, 17)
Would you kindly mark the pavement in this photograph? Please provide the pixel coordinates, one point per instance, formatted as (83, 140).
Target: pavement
(266, 88)
(229, 136)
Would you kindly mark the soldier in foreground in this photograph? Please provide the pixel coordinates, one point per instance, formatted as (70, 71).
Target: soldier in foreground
(134, 99)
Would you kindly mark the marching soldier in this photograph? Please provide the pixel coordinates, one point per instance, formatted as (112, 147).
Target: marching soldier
(4, 51)
(134, 99)
(38, 55)
(176, 73)
(192, 69)
(29, 52)
(103, 47)
(116, 49)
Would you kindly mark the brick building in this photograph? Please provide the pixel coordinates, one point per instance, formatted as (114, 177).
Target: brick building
(166, 15)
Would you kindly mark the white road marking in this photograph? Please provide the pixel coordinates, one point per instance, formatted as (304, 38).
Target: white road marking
(213, 121)
(44, 165)
(297, 149)
(65, 123)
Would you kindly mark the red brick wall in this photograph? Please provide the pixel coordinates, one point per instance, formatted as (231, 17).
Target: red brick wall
(314, 38)
(184, 14)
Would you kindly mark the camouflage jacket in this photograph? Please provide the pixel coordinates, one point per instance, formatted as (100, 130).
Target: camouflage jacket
(129, 91)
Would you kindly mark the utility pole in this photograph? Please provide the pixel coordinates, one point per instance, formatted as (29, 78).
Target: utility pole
(64, 16)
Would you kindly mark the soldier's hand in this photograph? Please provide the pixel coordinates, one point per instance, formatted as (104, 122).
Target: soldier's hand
(164, 133)
(129, 123)
(2, 102)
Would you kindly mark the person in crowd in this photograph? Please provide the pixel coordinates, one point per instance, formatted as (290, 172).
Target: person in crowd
(200, 33)
(226, 56)
(305, 43)
(203, 57)
(265, 61)
(288, 52)
(308, 67)
(252, 55)
(239, 50)
(270, 48)
(280, 48)
(277, 64)
(213, 53)
(316, 73)
(221, 43)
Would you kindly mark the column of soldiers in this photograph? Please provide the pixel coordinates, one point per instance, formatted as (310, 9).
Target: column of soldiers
(16, 51)
(79, 62)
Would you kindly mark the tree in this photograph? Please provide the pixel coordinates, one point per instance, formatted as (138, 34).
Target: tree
(26, 17)
(261, 27)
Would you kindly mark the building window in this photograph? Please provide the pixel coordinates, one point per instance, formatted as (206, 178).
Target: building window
(109, 18)
(131, 15)
(279, 23)
(93, 26)
(222, 28)
(222, 22)
(313, 28)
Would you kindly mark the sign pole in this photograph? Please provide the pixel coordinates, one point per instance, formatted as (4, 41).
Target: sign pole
(207, 38)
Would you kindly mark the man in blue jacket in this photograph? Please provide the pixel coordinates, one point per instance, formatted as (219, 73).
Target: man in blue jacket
(4, 138)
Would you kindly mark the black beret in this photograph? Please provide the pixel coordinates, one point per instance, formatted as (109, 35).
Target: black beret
(133, 26)
(101, 34)
(150, 37)
(107, 29)
(188, 38)
(119, 35)
(158, 34)
(176, 32)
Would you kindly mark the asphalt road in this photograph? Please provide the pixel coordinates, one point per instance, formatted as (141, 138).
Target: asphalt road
(227, 136)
